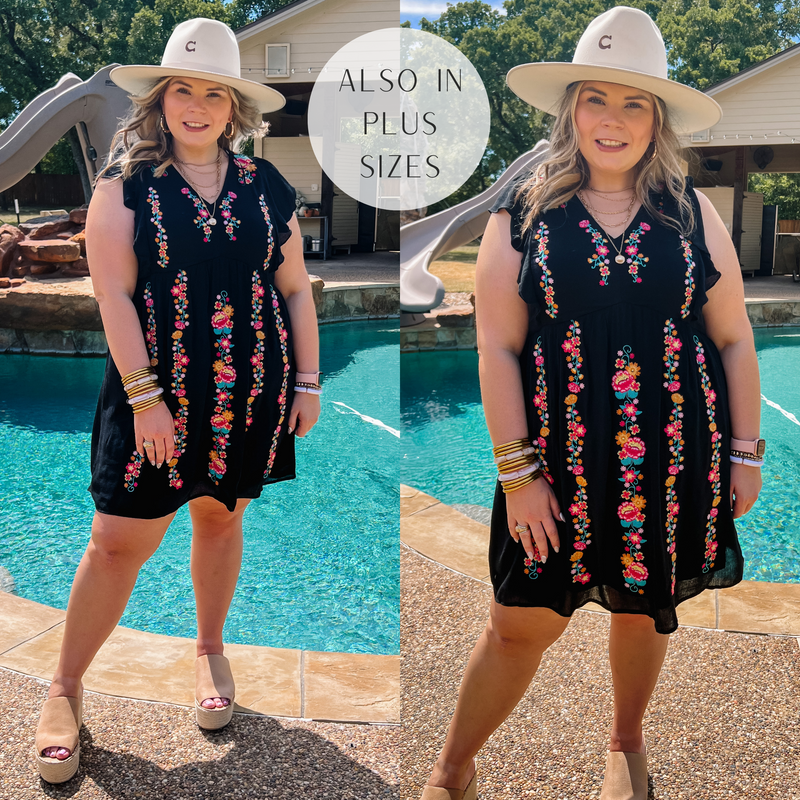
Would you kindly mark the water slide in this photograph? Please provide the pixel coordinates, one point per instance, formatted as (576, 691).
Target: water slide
(425, 240)
(94, 106)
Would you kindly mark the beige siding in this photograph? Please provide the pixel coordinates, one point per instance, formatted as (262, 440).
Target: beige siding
(295, 160)
(345, 218)
(315, 36)
(721, 198)
(764, 104)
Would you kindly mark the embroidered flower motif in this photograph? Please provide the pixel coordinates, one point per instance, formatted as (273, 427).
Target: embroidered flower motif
(161, 233)
(631, 454)
(598, 260)
(546, 281)
(150, 330)
(246, 167)
(257, 359)
(283, 338)
(635, 259)
(180, 361)
(270, 232)
(674, 431)
(201, 220)
(225, 377)
(714, 472)
(686, 246)
(132, 470)
(576, 431)
(231, 223)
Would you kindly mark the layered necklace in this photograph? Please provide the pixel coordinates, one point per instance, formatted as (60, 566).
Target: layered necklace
(599, 215)
(211, 220)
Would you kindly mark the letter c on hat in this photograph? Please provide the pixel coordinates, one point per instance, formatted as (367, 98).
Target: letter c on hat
(192, 49)
(604, 46)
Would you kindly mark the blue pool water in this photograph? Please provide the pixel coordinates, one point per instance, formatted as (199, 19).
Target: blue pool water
(321, 561)
(447, 450)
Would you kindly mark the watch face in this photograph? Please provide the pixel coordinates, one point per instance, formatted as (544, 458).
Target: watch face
(761, 446)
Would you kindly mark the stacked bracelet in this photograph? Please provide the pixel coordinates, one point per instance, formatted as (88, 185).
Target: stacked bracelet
(748, 459)
(143, 389)
(516, 464)
(308, 386)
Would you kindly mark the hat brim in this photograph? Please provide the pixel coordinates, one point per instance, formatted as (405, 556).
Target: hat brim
(138, 79)
(543, 84)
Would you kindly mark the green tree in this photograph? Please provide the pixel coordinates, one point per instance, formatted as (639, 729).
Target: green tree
(779, 189)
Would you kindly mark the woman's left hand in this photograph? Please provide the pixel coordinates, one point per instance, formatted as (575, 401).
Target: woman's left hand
(304, 413)
(745, 486)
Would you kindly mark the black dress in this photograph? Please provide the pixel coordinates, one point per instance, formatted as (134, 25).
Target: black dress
(627, 405)
(217, 333)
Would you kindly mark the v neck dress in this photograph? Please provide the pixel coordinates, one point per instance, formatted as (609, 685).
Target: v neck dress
(627, 406)
(218, 335)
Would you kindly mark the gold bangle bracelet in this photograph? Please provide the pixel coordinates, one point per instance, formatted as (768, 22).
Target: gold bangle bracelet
(510, 447)
(518, 483)
(517, 463)
(147, 404)
(139, 373)
(143, 389)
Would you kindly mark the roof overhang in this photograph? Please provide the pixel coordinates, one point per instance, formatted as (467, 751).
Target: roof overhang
(288, 11)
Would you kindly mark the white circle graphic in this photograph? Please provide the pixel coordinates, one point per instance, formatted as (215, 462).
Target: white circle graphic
(399, 119)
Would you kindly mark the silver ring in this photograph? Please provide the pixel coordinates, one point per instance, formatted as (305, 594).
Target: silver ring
(522, 529)
(148, 444)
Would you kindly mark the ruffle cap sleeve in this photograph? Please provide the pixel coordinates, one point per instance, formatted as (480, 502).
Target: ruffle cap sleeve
(280, 196)
(710, 273)
(509, 201)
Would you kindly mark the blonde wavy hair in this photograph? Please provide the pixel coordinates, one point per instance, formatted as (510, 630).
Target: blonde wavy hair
(139, 139)
(565, 172)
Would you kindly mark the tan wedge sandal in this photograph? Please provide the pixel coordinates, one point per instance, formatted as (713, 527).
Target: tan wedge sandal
(213, 678)
(626, 777)
(59, 726)
(440, 793)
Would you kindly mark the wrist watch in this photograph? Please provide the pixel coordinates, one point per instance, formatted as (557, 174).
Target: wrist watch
(756, 447)
(307, 377)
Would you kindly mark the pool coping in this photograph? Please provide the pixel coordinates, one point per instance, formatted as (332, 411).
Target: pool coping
(270, 681)
(429, 527)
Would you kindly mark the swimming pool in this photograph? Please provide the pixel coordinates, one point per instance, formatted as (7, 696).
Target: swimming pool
(321, 560)
(447, 450)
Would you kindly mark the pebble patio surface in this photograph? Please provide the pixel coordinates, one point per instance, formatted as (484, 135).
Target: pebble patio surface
(134, 749)
(722, 723)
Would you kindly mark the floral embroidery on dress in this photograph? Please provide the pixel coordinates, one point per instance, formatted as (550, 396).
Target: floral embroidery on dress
(132, 470)
(546, 282)
(150, 330)
(257, 359)
(599, 259)
(225, 377)
(576, 431)
(161, 233)
(686, 246)
(246, 167)
(231, 223)
(270, 231)
(180, 361)
(714, 471)
(201, 220)
(283, 337)
(631, 454)
(674, 431)
(635, 258)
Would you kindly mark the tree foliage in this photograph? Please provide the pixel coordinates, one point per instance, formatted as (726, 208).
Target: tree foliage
(707, 41)
(780, 189)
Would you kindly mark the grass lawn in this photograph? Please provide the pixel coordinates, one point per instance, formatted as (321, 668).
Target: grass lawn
(25, 213)
(457, 269)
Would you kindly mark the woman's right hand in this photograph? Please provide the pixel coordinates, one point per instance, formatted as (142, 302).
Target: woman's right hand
(155, 425)
(536, 507)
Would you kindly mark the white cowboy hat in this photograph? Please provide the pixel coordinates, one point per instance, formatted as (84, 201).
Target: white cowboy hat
(200, 48)
(622, 45)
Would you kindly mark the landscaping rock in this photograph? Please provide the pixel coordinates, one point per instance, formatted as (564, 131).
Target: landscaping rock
(20, 267)
(78, 215)
(317, 285)
(77, 269)
(80, 238)
(457, 317)
(11, 230)
(47, 305)
(5, 283)
(17, 282)
(8, 248)
(53, 250)
(43, 268)
(64, 236)
(45, 230)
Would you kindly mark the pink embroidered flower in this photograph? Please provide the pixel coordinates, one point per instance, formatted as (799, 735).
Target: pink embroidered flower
(633, 448)
(539, 361)
(636, 571)
(627, 511)
(577, 470)
(634, 537)
(714, 512)
(623, 382)
(645, 227)
(582, 224)
(580, 545)
(632, 249)
(629, 409)
(673, 470)
(602, 250)
(583, 577)
(701, 359)
(227, 374)
(573, 387)
(629, 475)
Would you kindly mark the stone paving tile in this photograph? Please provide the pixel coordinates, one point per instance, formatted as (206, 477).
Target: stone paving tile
(132, 750)
(722, 722)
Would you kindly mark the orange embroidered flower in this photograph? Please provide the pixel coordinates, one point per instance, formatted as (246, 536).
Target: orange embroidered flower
(622, 437)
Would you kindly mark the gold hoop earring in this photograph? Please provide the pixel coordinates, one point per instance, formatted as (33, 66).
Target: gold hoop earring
(225, 132)
(164, 128)
(655, 151)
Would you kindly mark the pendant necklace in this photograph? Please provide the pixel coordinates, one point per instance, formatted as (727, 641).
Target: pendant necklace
(211, 219)
(619, 258)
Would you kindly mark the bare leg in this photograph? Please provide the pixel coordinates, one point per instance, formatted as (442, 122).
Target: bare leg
(636, 653)
(216, 561)
(102, 586)
(501, 667)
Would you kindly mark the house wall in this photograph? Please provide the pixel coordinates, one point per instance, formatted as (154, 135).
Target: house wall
(294, 158)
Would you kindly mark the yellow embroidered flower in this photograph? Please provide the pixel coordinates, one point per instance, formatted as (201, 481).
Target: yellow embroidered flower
(228, 415)
(580, 480)
(627, 560)
(576, 556)
(712, 426)
(639, 501)
(571, 399)
(677, 398)
(633, 369)
(544, 432)
(622, 437)
(218, 365)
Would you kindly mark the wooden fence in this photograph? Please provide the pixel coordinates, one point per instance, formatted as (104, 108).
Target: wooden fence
(789, 226)
(45, 191)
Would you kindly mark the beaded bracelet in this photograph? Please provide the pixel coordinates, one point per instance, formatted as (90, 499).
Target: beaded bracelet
(512, 486)
(505, 477)
(136, 374)
(527, 451)
(748, 462)
(148, 396)
(304, 390)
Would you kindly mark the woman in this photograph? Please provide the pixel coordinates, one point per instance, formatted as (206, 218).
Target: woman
(197, 265)
(612, 388)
